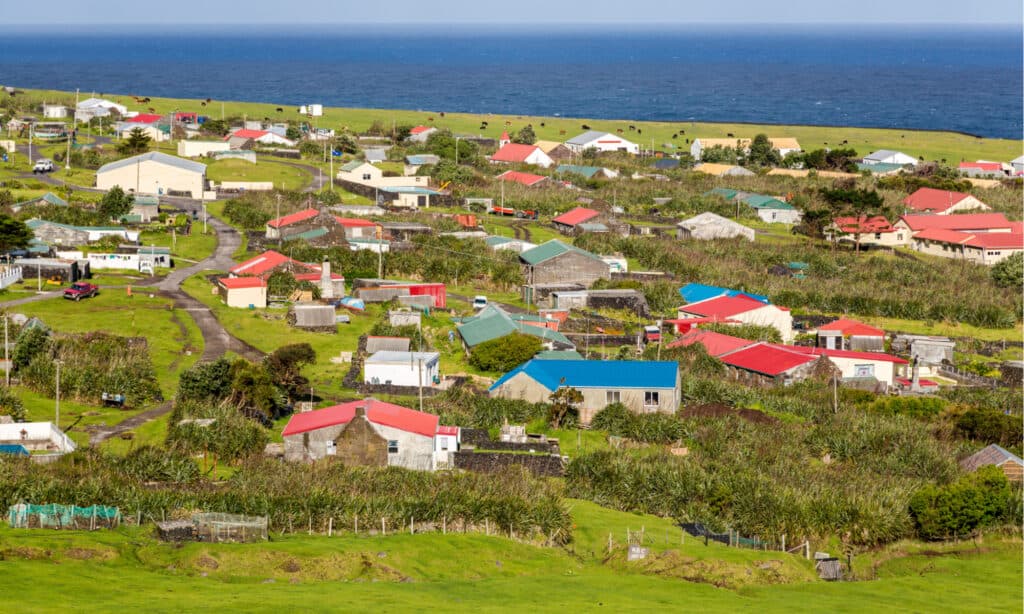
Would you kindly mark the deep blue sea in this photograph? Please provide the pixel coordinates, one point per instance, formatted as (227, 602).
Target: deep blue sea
(967, 79)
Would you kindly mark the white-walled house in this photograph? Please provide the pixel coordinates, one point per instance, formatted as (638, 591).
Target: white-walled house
(420, 134)
(888, 156)
(243, 292)
(741, 309)
(154, 173)
(784, 145)
(601, 141)
(403, 368)
(195, 149)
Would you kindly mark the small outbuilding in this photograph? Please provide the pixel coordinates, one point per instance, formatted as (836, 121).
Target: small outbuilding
(243, 292)
(710, 226)
(1010, 463)
(403, 369)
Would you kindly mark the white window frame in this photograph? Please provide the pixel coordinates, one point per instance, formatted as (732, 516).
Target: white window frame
(392, 444)
(652, 395)
(612, 396)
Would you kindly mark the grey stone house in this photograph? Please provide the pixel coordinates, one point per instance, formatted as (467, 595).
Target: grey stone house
(556, 262)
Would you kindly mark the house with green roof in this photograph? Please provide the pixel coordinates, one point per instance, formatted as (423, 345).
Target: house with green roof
(556, 262)
(587, 172)
(771, 209)
(46, 199)
(55, 233)
(493, 322)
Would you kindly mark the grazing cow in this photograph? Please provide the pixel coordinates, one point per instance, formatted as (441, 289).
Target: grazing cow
(639, 131)
(632, 128)
(430, 119)
(675, 136)
(585, 127)
(441, 113)
(561, 132)
(542, 124)
(845, 142)
(687, 141)
(482, 128)
(730, 135)
(280, 110)
(682, 132)
(202, 104)
(508, 123)
(151, 110)
(209, 100)
(619, 130)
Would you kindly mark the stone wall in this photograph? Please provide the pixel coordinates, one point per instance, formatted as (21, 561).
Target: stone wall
(490, 462)
(360, 445)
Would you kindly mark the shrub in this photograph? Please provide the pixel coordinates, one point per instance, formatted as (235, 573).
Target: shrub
(11, 405)
(989, 426)
(505, 353)
(230, 436)
(975, 501)
(918, 407)
(208, 381)
(30, 342)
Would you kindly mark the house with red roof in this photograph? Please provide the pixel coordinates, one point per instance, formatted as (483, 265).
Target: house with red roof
(962, 222)
(276, 226)
(517, 153)
(984, 238)
(984, 169)
(846, 334)
(767, 363)
(740, 309)
(371, 433)
(568, 223)
(243, 292)
(716, 344)
(874, 370)
(942, 202)
(864, 231)
(420, 134)
(264, 265)
(527, 179)
(145, 118)
(264, 137)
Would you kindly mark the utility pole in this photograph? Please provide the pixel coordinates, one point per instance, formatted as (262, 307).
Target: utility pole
(421, 382)
(380, 252)
(278, 217)
(57, 405)
(204, 218)
(7, 356)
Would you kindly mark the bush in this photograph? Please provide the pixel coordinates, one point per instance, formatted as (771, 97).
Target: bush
(990, 426)
(505, 353)
(230, 436)
(918, 407)
(30, 342)
(11, 405)
(975, 501)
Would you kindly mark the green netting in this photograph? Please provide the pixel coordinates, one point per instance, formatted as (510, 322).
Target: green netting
(57, 516)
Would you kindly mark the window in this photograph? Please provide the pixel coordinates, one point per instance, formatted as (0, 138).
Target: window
(332, 448)
(392, 446)
(612, 396)
(444, 443)
(366, 176)
(863, 370)
(652, 398)
(899, 236)
(994, 253)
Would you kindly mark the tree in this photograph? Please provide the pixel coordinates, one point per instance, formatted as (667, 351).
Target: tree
(115, 204)
(525, 136)
(977, 500)
(565, 407)
(720, 154)
(11, 405)
(1009, 273)
(281, 283)
(858, 203)
(216, 127)
(443, 144)
(504, 353)
(14, 234)
(137, 142)
(762, 153)
(284, 365)
(6, 198)
(293, 133)
(30, 343)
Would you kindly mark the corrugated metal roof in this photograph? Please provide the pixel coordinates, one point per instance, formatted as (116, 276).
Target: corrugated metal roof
(766, 359)
(760, 201)
(377, 412)
(292, 218)
(492, 323)
(422, 159)
(155, 156)
(586, 171)
(392, 357)
(723, 306)
(989, 455)
(552, 249)
(576, 216)
(553, 374)
(716, 344)
(959, 221)
(726, 193)
(376, 344)
(694, 293)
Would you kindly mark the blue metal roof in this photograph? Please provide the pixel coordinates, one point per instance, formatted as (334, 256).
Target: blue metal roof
(693, 293)
(14, 449)
(553, 374)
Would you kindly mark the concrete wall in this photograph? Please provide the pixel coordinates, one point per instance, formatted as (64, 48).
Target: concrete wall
(401, 374)
(963, 252)
(254, 186)
(363, 445)
(150, 177)
(769, 315)
(194, 149)
(883, 371)
(36, 436)
(243, 297)
(570, 267)
(779, 216)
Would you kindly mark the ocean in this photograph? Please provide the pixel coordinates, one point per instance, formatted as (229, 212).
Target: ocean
(966, 79)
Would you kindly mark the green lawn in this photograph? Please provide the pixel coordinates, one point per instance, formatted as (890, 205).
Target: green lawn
(931, 145)
(193, 247)
(283, 176)
(175, 342)
(127, 569)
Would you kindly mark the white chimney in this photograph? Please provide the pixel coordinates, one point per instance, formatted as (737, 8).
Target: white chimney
(326, 285)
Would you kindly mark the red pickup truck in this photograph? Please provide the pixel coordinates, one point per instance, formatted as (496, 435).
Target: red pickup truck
(80, 290)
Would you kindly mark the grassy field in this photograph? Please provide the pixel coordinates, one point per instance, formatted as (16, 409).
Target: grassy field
(193, 247)
(932, 145)
(283, 176)
(128, 569)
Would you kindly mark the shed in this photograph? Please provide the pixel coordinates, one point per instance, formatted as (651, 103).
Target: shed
(403, 368)
(154, 173)
(313, 316)
(1010, 463)
(243, 292)
(376, 344)
(710, 226)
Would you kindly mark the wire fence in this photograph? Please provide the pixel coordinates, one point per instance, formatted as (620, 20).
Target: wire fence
(56, 516)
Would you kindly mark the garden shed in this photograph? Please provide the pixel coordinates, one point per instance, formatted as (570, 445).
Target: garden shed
(313, 316)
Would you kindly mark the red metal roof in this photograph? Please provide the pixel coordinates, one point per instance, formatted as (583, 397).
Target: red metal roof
(144, 118)
(248, 134)
(715, 343)
(293, 218)
(316, 277)
(985, 166)
(723, 307)
(850, 328)
(959, 221)
(514, 152)
(236, 283)
(419, 129)
(576, 216)
(377, 412)
(504, 136)
(527, 179)
(813, 351)
(265, 263)
(353, 222)
(766, 359)
(942, 235)
(448, 430)
(925, 383)
(930, 199)
(864, 224)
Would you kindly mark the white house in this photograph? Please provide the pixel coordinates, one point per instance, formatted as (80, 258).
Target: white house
(888, 156)
(55, 111)
(370, 433)
(516, 153)
(194, 149)
(741, 309)
(601, 141)
(420, 134)
(1018, 165)
(784, 145)
(263, 137)
(98, 107)
(403, 368)
(242, 292)
(154, 173)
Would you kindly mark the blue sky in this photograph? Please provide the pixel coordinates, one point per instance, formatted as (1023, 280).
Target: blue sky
(537, 12)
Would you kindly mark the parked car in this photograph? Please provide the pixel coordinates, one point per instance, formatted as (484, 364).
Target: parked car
(80, 290)
(652, 334)
(42, 165)
(479, 302)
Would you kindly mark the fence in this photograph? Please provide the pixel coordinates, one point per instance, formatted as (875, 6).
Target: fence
(967, 377)
(730, 538)
(10, 276)
(56, 516)
(217, 527)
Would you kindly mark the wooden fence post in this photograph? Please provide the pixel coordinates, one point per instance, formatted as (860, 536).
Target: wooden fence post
(383, 526)
(357, 524)
(330, 526)
(444, 525)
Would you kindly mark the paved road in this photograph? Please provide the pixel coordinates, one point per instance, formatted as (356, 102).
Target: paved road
(317, 179)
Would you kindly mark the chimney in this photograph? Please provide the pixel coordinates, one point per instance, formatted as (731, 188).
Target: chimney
(326, 285)
(362, 409)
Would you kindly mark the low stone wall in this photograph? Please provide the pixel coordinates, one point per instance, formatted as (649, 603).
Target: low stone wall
(405, 391)
(490, 462)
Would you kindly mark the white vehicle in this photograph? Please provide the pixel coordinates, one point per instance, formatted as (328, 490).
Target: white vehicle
(43, 165)
(479, 302)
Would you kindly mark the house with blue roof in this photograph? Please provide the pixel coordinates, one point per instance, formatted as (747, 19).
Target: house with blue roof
(694, 293)
(645, 387)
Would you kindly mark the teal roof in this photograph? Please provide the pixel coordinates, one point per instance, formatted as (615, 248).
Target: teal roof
(309, 234)
(49, 197)
(146, 200)
(36, 223)
(726, 193)
(493, 323)
(593, 227)
(879, 168)
(586, 171)
(494, 241)
(759, 201)
(552, 249)
(558, 355)
(353, 165)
